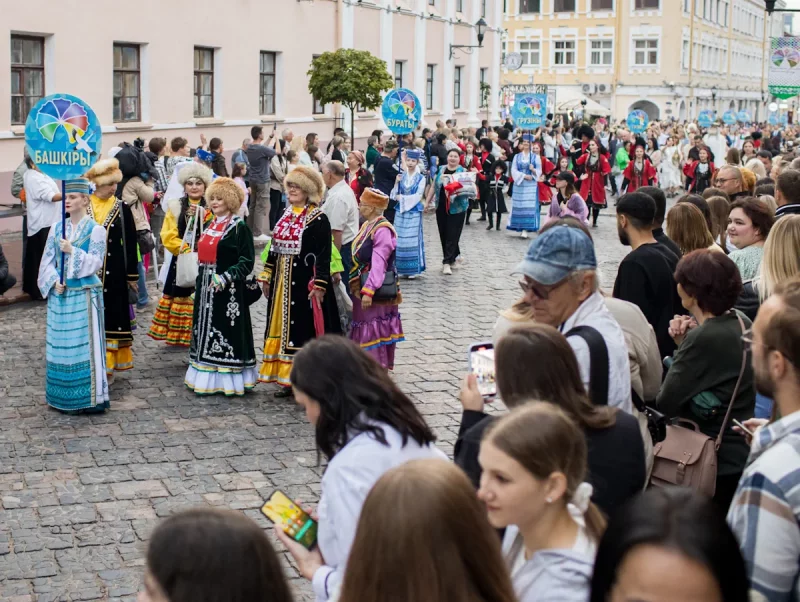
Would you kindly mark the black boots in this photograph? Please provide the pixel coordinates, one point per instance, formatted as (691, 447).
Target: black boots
(491, 223)
(595, 214)
(497, 226)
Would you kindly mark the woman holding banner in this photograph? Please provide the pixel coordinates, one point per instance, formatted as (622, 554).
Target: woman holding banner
(526, 169)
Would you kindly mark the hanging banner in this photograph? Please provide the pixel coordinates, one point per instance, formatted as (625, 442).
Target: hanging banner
(706, 118)
(637, 121)
(743, 117)
(529, 111)
(784, 67)
(63, 136)
(401, 111)
(729, 117)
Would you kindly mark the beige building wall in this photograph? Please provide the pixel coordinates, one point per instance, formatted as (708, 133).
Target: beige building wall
(415, 33)
(671, 58)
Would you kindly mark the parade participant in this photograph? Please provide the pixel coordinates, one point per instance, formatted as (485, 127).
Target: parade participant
(277, 171)
(583, 136)
(385, 173)
(699, 174)
(640, 172)
(749, 223)
(595, 169)
(472, 162)
(487, 160)
(526, 168)
(222, 357)
(76, 364)
(450, 210)
(360, 177)
(119, 273)
(620, 162)
(376, 326)
(409, 193)
(43, 209)
(496, 202)
(568, 201)
(172, 321)
(544, 189)
(299, 258)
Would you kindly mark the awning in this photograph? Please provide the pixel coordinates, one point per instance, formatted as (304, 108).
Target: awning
(574, 104)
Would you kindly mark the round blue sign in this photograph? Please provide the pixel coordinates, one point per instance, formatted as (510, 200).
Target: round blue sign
(706, 118)
(743, 117)
(637, 121)
(729, 117)
(63, 136)
(401, 111)
(773, 119)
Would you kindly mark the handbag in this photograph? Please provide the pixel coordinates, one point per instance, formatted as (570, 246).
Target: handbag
(687, 457)
(388, 290)
(146, 241)
(252, 290)
(188, 266)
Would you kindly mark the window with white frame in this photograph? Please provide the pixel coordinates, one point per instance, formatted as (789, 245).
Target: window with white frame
(27, 76)
(685, 55)
(457, 87)
(602, 5)
(564, 6)
(564, 53)
(431, 72)
(530, 53)
(645, 53)
(602, 52)
(647, 4)
(529, 6)
(459, 6)
(398, 74)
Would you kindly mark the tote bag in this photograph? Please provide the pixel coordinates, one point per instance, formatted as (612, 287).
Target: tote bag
(188, 263)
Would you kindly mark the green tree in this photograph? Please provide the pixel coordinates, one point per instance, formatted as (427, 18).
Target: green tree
(351, 78)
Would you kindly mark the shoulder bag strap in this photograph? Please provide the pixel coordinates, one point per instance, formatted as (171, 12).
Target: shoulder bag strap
(718, 442)
(598, 363)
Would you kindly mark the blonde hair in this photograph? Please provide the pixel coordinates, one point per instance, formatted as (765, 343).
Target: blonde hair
(769, 201)
(749, 178)
(781, 260)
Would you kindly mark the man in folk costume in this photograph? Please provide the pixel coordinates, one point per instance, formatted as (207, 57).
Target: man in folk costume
(640, 172)
(119, 273)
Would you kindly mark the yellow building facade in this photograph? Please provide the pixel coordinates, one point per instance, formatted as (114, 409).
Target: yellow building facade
(670, 58)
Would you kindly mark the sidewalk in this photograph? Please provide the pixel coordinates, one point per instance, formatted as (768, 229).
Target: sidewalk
(12, 247)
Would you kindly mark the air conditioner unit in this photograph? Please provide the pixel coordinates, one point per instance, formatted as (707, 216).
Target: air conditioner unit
(602, 88)
(587, 88)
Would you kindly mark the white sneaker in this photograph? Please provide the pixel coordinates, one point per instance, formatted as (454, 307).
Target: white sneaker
(447, 270)
(412, 277)
(524, 234)
(459, 261)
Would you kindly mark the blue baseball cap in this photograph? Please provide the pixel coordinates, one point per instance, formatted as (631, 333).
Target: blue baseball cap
(557, 253)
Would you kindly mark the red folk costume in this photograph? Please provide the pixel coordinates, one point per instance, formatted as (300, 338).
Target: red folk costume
(595, 184)
(636, 178)
(699, 181)
(545, 191)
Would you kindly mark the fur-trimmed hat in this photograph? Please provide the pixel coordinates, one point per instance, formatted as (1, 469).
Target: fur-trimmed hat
(309, 181)
(195, 170)
(228, 191)
(372, 197)
(104, 172)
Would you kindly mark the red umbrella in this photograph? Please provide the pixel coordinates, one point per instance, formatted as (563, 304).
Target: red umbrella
(316, 306)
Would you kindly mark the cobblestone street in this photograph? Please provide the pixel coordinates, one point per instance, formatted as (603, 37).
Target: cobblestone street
(81, 494)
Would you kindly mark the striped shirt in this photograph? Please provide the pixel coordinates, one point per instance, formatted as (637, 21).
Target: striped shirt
(765, 512)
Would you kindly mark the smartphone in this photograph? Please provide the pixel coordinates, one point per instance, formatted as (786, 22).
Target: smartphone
(743, 427)
(481, 364)
(290, 517)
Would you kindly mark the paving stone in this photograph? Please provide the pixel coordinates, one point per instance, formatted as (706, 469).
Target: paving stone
(138, 490)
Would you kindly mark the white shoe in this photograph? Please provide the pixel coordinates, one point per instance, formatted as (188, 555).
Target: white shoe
(459, 261)
(447, 270)
(412, 277)
(261, 238)
(524, 234)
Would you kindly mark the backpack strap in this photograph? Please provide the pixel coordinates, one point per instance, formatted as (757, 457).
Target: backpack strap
(598, 363)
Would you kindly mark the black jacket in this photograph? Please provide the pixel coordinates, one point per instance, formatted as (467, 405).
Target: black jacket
(218, 165)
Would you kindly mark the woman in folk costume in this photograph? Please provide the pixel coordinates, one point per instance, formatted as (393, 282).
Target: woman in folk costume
(640, 171)
(670, 168)
(76, 359)
(408, 192)
(595, 168)
(172, 321)
(545, 191)
(700, 173)
(296, 276)
(376, 326)
(222, 357)
(119, 272)
(471, 161)
(525, 171)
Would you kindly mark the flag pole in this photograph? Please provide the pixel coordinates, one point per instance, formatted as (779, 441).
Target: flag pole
(63, 222)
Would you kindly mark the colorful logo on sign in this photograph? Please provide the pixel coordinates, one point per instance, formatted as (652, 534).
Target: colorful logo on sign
(401, 111)
(63, 136)
(706, 118)
(637, 121)
(729, 117)
(743, 117)
(530, 110)
(773, 119)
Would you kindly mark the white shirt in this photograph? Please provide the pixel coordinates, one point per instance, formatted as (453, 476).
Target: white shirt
(348, 479)
(39, 192)
(341, 208)
(593, 312)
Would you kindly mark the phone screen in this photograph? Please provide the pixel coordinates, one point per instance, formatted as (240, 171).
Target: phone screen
(294, 521)
(481, 364)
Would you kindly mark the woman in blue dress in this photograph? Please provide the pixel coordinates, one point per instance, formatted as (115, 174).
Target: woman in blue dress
(525, 171)
(408, 193)
(76, 343)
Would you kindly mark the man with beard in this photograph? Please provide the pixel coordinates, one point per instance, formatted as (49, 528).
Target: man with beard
(762, 515)
(645, 276)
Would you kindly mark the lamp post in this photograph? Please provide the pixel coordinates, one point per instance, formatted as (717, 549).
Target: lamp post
(468, 48)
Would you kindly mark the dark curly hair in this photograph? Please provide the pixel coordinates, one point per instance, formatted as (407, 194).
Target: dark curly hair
(758, 213)
(710, 277)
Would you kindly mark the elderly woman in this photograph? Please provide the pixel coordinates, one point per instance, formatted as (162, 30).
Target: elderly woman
(172, 321)
(373, 282)
(526, 168)
(222, 357)
(76, 364)
(360, 178)
(296, 278)
(408, 192)
(749, 223)
(710, 361)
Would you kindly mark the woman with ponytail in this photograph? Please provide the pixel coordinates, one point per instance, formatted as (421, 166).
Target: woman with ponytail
(533, 484)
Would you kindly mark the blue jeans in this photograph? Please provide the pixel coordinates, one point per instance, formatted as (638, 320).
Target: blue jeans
(143, 297)
(347, 260)
(763, 406)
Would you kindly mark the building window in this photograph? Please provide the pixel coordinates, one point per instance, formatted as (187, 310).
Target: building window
(484, 74)
(431, 2)
(126, 83)
(27, 76)
(318, 108)
(203, 82)
(564, 6)
(564, 54)
(398, 74)
(457, 88)
(459, 6)
(646, 53)
(647, 4)
(530, 53)
(266, 97)
(429, 88)
(602, 4)
(685, 55)
(602, 53)
(530, 6)
(483, 8)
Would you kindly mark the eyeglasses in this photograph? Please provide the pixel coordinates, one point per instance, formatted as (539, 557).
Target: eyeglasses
(540, 291)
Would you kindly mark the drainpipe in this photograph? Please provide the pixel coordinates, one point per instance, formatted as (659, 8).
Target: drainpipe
(338, 44)
(617, 56)
(691, 57)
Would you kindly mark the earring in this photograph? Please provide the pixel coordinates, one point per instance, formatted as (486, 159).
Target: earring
(549, 500)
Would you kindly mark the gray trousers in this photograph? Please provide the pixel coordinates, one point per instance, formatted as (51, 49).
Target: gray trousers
(259, 207)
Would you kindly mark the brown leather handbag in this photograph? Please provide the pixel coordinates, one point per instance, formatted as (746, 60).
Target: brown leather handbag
(687, 457)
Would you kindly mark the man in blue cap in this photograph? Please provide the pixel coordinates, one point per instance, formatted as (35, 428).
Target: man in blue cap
(560, 281)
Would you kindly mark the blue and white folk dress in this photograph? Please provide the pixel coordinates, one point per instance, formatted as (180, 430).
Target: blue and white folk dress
(525, 196)
(408, 193)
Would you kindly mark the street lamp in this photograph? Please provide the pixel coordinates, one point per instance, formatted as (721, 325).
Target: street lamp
(481, 27)
(713, 94)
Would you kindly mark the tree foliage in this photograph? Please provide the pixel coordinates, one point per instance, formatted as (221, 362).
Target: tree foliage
(349, 77)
